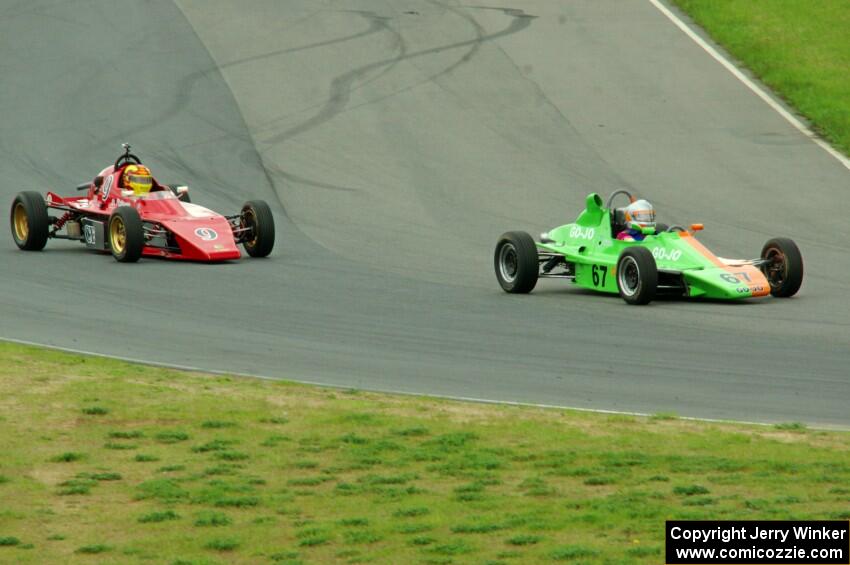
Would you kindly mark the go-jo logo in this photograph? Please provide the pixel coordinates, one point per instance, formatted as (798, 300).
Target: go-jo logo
(207, 234)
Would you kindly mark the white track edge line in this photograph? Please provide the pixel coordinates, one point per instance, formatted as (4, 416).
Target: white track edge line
(192, 369)
(759, 91)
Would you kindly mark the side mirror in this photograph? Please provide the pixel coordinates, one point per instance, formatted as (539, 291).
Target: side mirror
(97, 182)
(696, 227)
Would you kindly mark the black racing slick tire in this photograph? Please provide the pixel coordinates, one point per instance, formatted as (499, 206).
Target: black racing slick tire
(661, 227)
(257, 216)
(637, 275)
(29, 222)
(125, 234)
(516, 262)
(784, 266)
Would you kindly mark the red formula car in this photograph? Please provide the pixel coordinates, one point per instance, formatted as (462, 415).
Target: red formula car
(126, 212)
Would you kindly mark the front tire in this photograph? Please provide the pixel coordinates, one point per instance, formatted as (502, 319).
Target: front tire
(125, 234)
(784, 271)
(29, 222)
(257, 215)
(516, 262)
(637, 275)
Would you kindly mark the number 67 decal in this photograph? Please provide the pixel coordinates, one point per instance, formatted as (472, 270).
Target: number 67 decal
(595, 272)
(732, 278)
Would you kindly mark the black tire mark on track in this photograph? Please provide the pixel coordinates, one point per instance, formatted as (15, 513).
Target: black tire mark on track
(188, 83)
(376, 24)
(433, 78)
(341, 86)
(620, 181)
(334, 106)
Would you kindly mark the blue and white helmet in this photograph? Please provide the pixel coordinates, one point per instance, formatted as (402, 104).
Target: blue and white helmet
(642, 213)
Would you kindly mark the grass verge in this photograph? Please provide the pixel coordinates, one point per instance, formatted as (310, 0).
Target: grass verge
(227, 470)
(799, 49)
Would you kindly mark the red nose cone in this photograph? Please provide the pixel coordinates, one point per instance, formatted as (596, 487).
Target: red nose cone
(205, 239)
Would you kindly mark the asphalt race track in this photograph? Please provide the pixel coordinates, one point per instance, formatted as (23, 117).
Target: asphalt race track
(395, 140)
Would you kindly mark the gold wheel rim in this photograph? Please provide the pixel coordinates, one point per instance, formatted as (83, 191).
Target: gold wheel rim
(22, 225)
(117, 235)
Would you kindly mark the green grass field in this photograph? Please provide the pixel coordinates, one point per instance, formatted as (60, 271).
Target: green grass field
(799, 49)
(109, 462)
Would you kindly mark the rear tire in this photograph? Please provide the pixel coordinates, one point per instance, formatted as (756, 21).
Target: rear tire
(257, 215)
(29, 222)
(516, 262)
(637, 275)
(785, 271)
(125, 234)
(661, 228)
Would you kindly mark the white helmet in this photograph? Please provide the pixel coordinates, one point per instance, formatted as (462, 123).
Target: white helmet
(642, 213)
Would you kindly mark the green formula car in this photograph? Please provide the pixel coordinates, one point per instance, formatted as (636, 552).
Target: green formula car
(649, 260)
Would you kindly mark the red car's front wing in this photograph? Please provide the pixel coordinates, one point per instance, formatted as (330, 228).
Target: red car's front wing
(199, 239)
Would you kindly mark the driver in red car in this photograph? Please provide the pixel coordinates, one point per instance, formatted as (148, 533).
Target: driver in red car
(639, 214)
(138, 179)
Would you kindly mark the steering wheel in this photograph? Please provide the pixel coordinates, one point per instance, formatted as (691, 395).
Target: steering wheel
(675, 228)
(127, 157)
(616, 193)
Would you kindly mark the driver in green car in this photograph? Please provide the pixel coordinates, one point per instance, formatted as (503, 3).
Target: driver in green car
(639, 214)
